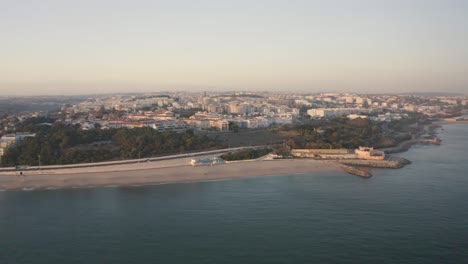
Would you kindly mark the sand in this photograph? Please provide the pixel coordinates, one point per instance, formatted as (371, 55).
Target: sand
(170, 171)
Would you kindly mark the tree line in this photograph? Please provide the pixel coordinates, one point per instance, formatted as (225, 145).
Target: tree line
(246, 154)
(68, 144)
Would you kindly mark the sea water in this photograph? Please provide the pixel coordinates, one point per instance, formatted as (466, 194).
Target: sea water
(417, 214)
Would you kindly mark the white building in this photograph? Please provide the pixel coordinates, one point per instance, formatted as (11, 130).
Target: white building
(8, 140)
(354, 116)
(222, 125)
(330, 112)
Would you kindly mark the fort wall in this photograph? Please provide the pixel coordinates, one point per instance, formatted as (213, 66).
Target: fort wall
(369, 153)
(311, 153)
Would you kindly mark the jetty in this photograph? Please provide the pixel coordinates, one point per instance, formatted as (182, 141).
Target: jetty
(356, 162)
(388, 162)
(355, 171)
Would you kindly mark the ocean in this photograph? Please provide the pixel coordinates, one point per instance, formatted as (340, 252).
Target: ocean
(417, 214)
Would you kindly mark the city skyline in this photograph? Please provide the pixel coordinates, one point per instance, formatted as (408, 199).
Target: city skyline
(68, 47)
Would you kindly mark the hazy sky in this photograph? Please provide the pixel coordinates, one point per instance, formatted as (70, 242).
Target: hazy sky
(82, 46)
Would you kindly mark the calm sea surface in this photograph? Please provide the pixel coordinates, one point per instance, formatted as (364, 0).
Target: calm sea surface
(418, 214)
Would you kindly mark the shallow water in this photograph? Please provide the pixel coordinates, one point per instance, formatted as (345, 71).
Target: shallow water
(418, 214)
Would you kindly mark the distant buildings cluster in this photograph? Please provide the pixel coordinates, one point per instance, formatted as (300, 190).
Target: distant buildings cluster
(334, 112)
(215, 112)
(180, 111)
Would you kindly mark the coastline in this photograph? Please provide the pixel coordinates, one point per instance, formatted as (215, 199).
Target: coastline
(173, 170)
(450, 121)
(160, 174)
(406, 145)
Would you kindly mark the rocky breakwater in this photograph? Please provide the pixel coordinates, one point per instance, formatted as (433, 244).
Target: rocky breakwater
(388, 162)
(356, 171)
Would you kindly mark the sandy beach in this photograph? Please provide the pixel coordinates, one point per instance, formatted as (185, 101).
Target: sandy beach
(170, 171)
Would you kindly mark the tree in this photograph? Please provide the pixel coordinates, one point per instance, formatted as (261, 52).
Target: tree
(359, 122)
(233, 126)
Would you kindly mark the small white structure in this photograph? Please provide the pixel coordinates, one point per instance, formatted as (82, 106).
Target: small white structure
(207, 161)
(354, 116)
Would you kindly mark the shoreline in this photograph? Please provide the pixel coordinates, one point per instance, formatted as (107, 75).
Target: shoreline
(407, 144)
(446, 121)
(165, 175)
(173, 170)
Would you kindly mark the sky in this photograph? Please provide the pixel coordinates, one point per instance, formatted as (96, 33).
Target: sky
(362, 46)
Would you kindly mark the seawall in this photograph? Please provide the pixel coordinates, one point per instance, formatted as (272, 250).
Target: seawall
(392, 163)
(355, 171)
